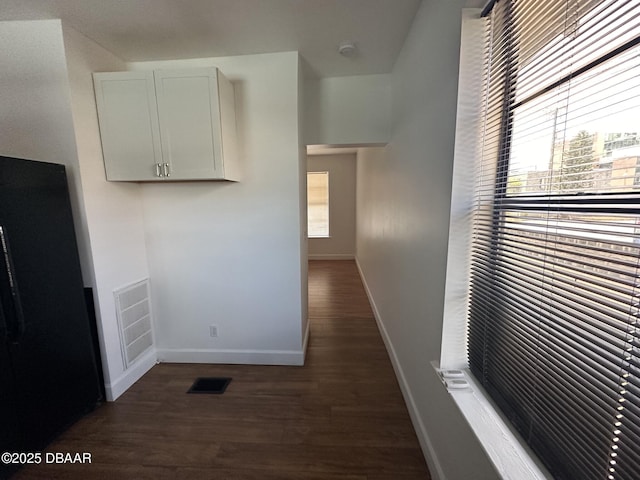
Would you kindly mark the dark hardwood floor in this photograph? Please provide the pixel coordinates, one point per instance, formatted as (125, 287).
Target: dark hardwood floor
(340, 417)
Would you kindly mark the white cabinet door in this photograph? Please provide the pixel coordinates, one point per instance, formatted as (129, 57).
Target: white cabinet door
(189, 113)
(129, 128)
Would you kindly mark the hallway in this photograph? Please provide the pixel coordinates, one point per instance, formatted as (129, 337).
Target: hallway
(340, 417)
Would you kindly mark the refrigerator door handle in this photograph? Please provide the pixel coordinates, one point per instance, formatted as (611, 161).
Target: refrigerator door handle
(17, 329)
(3, 324)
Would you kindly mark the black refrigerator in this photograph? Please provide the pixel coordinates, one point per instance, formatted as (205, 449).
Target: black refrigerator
(48, 371)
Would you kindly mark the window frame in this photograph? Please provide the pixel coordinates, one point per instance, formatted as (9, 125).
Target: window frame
(453, 345)
(508, 452)
(327, 225)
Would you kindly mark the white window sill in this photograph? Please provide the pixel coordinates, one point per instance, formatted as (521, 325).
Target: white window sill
(511, 457)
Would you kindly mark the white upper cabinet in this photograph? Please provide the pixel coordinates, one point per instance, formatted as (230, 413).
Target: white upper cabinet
(167, 125)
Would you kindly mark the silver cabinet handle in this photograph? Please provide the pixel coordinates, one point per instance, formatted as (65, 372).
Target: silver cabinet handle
(167, 171)
(158, 171)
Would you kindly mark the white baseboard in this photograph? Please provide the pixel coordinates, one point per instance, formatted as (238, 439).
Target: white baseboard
(237, 357)
(130, 376)
(331, 256)
(232, 357)
(437, 473)
(244, 357)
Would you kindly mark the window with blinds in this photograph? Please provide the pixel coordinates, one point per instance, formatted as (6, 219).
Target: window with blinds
(553, 331)
(318, 204)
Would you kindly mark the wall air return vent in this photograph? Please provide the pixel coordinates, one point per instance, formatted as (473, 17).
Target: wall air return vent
(133, 309)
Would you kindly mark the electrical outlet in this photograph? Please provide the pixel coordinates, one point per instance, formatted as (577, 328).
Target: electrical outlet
(213, 330)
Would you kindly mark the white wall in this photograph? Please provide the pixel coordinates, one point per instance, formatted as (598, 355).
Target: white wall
(348, 110)
(302, 193)
(228, 253)
(48, 113)
(403, 204)
(222, 253)
(35, 108)
(342, 207)
(113, 210)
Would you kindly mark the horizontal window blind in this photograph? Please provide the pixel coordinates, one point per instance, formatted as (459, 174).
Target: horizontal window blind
(553, 326)
(317, 204)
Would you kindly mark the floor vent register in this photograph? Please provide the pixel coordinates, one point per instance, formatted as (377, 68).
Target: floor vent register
(210, 385)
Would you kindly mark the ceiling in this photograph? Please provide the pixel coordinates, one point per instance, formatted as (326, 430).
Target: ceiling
(138, 30)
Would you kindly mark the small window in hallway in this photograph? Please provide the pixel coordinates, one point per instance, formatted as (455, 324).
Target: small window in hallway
(318, 204)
